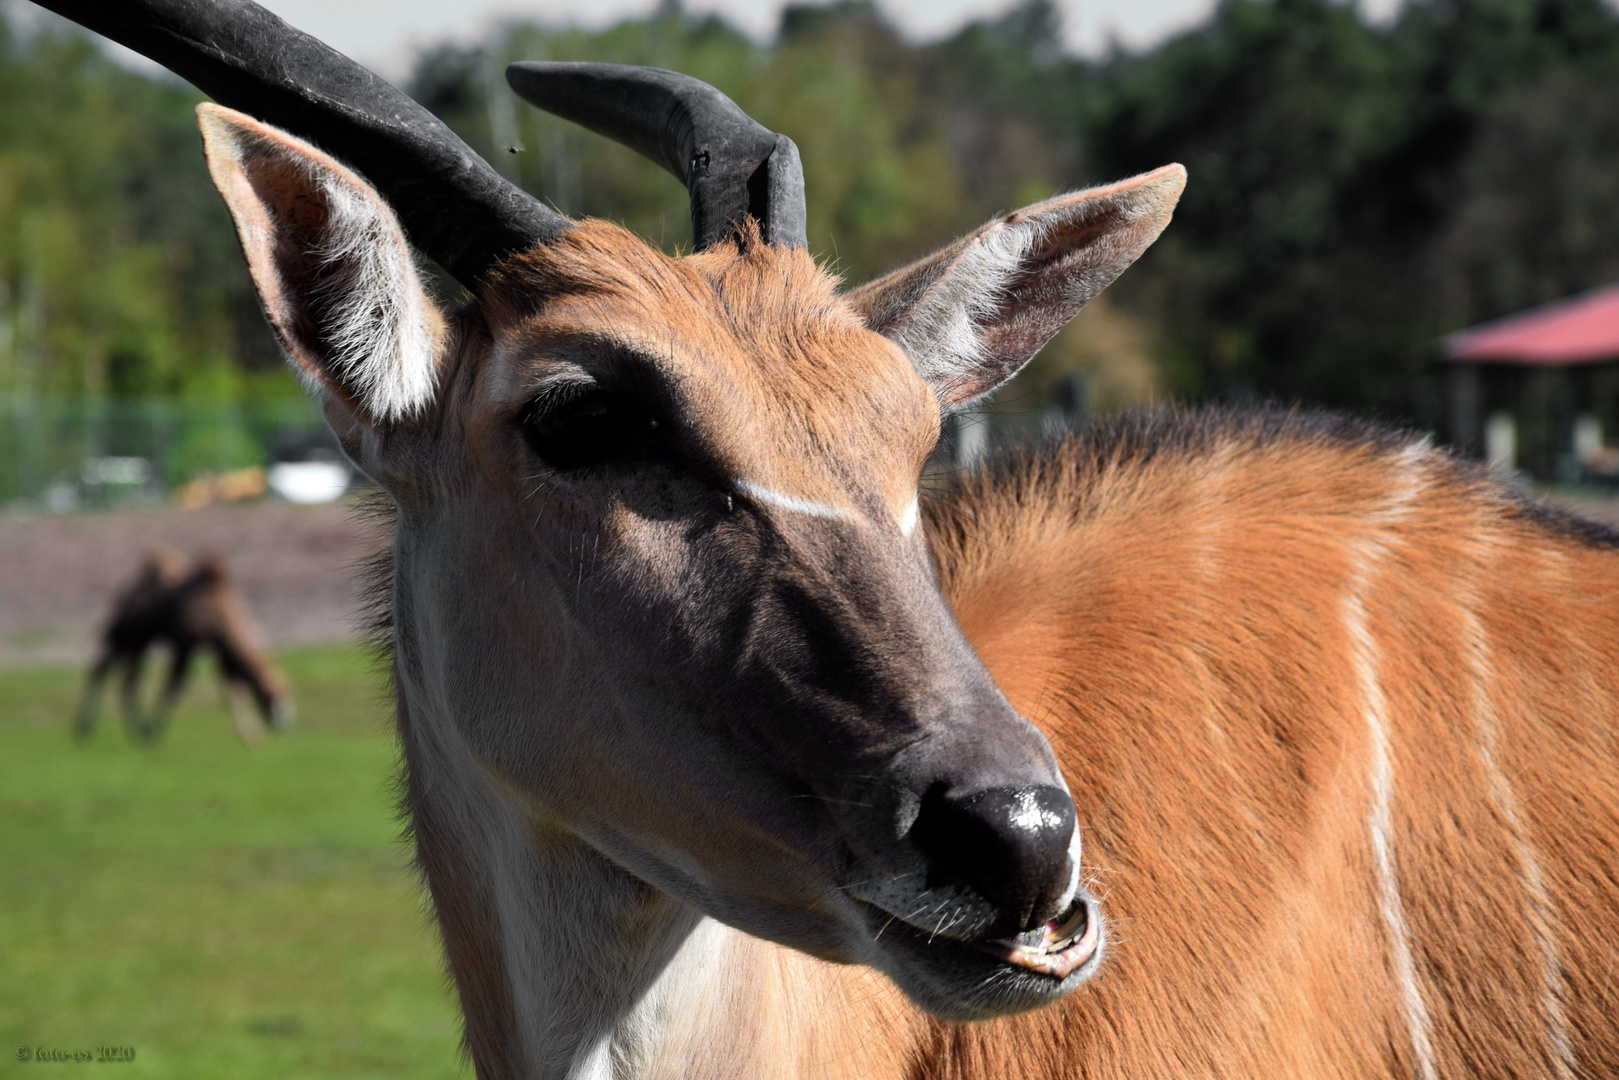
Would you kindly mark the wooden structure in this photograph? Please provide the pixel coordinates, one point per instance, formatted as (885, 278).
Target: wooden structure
(1546, 366)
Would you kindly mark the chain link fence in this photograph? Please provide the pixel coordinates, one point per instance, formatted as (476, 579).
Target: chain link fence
(63, 453)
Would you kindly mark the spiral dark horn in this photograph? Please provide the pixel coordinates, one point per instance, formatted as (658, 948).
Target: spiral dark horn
(731, 165)
(452, 204)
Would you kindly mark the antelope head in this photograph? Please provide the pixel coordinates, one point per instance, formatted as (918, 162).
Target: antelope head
(660, 580)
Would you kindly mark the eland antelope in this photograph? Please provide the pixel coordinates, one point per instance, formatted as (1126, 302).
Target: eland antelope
(190, 606)
(727, 755)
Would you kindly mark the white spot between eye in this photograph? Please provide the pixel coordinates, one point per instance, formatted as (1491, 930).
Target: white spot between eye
(790, 502)
(907, 520)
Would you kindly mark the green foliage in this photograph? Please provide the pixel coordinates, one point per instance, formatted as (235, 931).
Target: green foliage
(1355, 190)
(1539, 219)
(118, 267)
(227, 911)
(899, 155)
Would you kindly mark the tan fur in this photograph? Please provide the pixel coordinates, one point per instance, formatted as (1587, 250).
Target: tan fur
(1174, 625)
(754, 345)
(767, 1011)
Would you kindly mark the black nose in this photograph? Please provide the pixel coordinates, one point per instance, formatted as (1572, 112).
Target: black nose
(1010, 844)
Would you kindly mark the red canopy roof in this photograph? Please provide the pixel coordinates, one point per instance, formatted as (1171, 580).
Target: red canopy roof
(1577, 331)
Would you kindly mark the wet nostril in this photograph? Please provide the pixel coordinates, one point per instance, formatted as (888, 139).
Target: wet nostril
(1009, 844)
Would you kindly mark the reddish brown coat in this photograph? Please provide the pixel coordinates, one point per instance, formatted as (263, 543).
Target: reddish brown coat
(1180, 606)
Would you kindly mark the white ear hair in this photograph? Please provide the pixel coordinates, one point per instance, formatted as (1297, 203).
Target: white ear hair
(971, 315)
(382, 328)
(943, 335)
(336, 277)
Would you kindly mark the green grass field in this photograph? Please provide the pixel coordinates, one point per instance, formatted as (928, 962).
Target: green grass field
(227, 911)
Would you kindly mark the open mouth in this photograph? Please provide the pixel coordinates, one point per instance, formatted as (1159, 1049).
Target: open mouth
(1058, 948)
(957, 979)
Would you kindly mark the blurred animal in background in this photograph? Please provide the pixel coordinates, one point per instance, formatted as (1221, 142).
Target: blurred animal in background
(188, 605)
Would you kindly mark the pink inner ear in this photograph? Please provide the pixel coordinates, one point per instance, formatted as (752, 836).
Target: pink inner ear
(283, 184)
(278, 213)
(296, 214)
(331, 266)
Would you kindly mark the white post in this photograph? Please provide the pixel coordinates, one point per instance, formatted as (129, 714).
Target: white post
(972, 439)
(1587, 438)
(1501, 442)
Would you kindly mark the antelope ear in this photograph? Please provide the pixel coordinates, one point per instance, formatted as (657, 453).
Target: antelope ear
(971, 315)
(332, 270)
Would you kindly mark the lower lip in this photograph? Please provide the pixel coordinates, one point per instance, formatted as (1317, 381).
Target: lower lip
(1058, 964)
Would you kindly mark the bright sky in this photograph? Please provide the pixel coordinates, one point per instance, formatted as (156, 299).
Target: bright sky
(380, 33)
(384, 34)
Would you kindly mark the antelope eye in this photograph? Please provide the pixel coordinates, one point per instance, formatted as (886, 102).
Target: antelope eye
(590, 427)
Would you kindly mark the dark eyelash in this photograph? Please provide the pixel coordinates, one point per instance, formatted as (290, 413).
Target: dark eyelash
(556, 396)
(579, 425)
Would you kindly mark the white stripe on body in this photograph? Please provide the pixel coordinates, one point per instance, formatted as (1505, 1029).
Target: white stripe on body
(1543, 921)
(1366, 555)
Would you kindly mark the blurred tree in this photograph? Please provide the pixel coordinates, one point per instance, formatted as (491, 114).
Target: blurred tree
(1539, 217)
(118, 269)
(1274, 109)
(1355, 191)
(899, 154)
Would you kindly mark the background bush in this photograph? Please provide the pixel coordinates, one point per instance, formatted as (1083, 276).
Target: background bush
(1356, 190)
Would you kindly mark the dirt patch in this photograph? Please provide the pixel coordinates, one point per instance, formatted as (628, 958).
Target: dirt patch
(295, 564)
